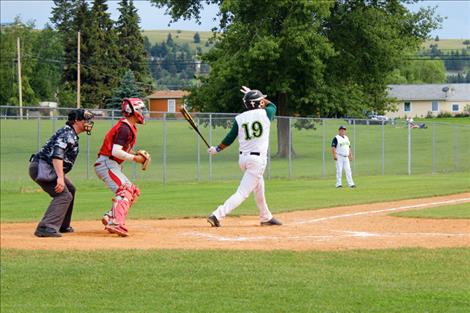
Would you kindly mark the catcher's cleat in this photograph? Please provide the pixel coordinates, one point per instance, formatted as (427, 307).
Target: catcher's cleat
(117, 229)
(213, 221)
(106, 219)
(272, 222)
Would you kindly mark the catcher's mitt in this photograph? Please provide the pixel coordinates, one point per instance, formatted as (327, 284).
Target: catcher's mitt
(147, 157)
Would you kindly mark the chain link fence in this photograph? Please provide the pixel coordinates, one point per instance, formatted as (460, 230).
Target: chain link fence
(299, 147)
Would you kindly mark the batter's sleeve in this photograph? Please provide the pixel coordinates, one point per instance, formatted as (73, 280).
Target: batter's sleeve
(231, 136)
(334, 143)
(271, 111)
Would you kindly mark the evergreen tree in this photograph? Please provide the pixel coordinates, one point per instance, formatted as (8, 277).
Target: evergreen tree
(197, 38)
(127, 89)
(104, 63)
(131, 43)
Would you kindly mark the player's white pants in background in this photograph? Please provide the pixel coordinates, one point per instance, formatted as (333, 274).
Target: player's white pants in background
(342, 162)
(253, 167)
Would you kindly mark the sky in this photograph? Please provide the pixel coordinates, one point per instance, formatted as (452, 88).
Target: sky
(455, 26)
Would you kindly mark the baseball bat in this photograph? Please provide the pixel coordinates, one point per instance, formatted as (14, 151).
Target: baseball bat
(191, 122)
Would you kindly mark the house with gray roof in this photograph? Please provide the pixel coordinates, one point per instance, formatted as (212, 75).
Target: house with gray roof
(428, 99)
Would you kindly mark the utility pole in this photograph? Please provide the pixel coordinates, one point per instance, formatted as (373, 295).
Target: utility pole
(78, 70)
(20, 88)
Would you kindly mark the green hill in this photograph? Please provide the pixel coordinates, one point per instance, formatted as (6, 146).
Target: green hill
(180, 37)
(446, 44)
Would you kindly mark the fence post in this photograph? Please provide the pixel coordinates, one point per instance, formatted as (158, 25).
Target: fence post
(433, 125)
(323, 166)
(409, 150)
(53, 123)
(354, 146)
(269, 163)
(383, 148)
(39, 132)
(198, 141)
(456, 140)
(164, 149)
(87, 157)
(210, 143)
(290, 147)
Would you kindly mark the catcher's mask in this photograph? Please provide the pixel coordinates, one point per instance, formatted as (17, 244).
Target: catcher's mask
(252, 99)
(81, 115)
(134, 106)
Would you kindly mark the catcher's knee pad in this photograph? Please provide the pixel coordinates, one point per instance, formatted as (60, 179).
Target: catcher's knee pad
(123, 200)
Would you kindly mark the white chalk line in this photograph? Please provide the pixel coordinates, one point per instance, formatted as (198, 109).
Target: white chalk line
(346, 234)
(321, 219)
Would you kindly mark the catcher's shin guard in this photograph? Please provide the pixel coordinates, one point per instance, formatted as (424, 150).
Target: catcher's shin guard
(125, 197)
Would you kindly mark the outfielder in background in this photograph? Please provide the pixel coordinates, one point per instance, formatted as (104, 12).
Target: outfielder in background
(252, 128)
(340, 148)
(48, 168)
(117, 148)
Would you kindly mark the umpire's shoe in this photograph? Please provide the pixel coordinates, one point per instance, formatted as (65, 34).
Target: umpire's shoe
(43, 231)
(213, 221)
(272, 222)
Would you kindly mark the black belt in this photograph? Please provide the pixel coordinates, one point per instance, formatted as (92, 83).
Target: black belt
(253, 153)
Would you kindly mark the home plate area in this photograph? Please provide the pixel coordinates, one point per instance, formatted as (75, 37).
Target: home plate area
(367, 226)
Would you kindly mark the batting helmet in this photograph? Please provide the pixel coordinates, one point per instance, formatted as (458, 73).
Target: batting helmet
(133, 106)
(251, 99)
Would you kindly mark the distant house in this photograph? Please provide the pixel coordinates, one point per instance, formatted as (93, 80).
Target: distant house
(421, 100)
(169, 101)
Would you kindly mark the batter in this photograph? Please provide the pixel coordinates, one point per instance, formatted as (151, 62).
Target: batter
(252, 128)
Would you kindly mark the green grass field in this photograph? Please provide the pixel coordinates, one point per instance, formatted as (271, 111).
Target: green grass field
(407, 280)
(20, 139)
(402, 280)
(26, 202)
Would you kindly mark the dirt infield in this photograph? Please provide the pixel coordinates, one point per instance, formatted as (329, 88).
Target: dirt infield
(354, 227)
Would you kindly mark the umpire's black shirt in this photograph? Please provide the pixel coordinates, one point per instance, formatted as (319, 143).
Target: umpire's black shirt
(62, 145)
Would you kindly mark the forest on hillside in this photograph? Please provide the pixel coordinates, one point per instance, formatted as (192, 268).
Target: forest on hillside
(116, 53)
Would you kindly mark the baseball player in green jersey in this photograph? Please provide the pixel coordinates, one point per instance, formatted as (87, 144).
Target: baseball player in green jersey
(252, 128)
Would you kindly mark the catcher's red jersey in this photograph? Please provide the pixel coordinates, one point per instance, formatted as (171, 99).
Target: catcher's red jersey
(110, 140)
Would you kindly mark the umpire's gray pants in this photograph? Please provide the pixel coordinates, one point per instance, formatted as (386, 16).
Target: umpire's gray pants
(59, 213)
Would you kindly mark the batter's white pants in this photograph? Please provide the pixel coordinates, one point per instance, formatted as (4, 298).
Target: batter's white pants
(253, 167)
(342, 162)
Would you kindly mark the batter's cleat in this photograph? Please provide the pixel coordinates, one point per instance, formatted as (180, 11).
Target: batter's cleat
(117, 229)
(213, 221)
(339, 186)
(353, 186)
(272, 222)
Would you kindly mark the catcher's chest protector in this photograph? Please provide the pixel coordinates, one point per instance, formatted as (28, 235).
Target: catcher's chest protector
(107, 147)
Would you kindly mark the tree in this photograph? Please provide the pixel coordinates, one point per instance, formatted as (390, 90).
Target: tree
(47, 78)
(104, 62)
(8, 63)
(126, 89)
(131, 43)
(310, 57)
(197, 38)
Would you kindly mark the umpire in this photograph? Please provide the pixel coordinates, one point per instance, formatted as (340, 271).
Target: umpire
(48, 168)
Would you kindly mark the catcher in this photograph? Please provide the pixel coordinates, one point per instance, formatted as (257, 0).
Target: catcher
(117, 148)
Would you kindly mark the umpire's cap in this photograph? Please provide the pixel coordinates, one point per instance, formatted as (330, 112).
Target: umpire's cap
(342, 127)
(79, 115)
